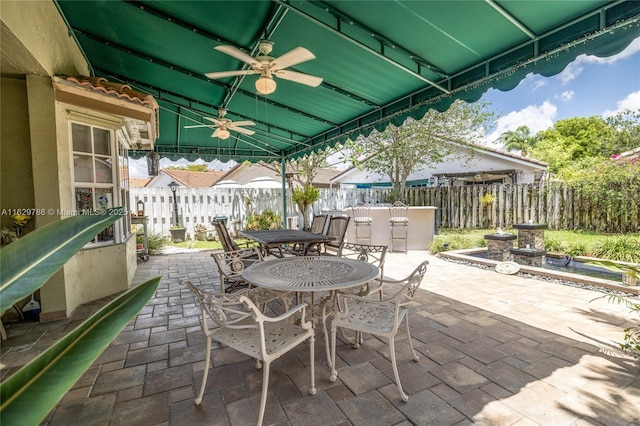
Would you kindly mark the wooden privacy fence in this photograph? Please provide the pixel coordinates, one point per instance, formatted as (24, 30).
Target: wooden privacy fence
(553, 204)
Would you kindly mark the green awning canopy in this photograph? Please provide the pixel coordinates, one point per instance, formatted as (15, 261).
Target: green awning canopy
(381, 61)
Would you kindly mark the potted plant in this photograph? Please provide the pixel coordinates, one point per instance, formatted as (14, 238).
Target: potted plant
(304, 197)
(178, 233)
(266, 220)
(201, 231)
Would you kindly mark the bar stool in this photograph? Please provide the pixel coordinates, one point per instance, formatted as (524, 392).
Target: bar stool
(399, 222)
(362, 221)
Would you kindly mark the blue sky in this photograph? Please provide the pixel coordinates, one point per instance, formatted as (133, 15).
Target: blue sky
(588, 86)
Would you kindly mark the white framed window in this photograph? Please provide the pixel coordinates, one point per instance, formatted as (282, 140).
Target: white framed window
(98, 175)
(123, 176)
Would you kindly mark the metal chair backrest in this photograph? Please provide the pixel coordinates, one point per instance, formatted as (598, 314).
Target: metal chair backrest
(337, 229)
(361, 213)
(398, 212)
(228, 244)
(369, 253)
(318, 223)
(232, 263)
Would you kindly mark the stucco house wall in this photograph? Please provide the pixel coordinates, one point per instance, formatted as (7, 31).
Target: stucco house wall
(36, 163)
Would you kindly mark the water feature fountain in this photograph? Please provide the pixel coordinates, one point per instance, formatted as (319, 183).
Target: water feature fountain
(530, 249)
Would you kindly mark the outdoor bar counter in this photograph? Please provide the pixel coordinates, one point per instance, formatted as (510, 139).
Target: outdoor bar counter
(421, 226)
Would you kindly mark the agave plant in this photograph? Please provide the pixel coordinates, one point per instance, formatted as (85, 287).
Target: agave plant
(34, 390)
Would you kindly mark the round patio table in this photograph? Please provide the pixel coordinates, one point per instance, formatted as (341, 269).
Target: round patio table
(310, 273)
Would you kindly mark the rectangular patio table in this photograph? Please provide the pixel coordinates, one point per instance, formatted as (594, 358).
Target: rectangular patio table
(276, 238)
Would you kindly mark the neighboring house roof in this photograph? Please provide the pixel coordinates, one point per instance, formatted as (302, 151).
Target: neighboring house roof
(244, 173)
(138, 182)
(512, 161)
(186, 178)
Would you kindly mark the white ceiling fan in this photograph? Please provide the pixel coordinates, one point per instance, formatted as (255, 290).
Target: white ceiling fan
(223, 125)
(268, 66)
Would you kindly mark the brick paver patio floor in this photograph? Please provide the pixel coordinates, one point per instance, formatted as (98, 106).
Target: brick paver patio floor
(495, 350)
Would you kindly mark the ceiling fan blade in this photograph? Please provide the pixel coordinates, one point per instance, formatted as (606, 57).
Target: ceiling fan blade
(291, 58)
(215, 120)
(241, 123)
(236, 53)
(198, 125)
(214, 134)
(298, 77)
(242, 130)
(223, 74)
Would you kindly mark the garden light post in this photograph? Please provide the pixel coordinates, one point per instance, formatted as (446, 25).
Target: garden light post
(174, 186)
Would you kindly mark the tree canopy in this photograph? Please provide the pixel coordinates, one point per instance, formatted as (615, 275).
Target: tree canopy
(580, 144)
(397, 152)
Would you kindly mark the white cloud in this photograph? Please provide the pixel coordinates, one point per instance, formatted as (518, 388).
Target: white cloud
(575, 68)
(632, 102)
(631, 50)
(567, 95)
(539, 83)
(535, 117)
(571, 72)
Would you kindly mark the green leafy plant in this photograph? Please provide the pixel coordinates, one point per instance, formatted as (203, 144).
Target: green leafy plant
(199, 227)
(30, 393)
(268, 219)
(392, 196)
(304, 197)
(623, 248)
(456, 242)
(155, 242)
(576, 249)
(554, 245)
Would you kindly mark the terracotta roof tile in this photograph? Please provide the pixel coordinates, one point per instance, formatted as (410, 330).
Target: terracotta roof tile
(120, 90)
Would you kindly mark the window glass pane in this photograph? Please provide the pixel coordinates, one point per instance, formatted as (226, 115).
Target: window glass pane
(104, 198)
(81, 137)
(101, 141)
(103, 170)
(82, 168)
(84, 199)
(123, 165)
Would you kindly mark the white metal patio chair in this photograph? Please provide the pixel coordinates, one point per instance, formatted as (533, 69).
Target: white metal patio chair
(380, 318)
(240, 325)
(231, 264)
(373, 254)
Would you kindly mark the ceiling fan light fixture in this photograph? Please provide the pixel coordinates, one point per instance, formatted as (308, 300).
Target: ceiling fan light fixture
(223, 134)
(265, 85)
